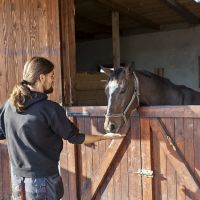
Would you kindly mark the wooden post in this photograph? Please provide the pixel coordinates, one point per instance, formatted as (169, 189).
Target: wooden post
(68, 50)
(115, 39)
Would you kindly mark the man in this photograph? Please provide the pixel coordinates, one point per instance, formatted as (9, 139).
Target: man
(34, 128)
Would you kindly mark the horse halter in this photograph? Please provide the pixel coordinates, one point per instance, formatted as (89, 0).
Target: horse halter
(134, 96)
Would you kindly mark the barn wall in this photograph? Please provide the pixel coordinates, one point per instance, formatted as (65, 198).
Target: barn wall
(28, 28)
(177, 51)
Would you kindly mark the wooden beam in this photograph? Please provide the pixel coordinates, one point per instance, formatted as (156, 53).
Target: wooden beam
(130, 13)
(115, 39)
(182, 11)
(68, 51)
(170, 111)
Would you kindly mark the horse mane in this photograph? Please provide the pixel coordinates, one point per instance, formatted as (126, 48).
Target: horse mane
(162, 79)
(116, 73)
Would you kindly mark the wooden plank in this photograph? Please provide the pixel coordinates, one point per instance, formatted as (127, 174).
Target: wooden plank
(171, 181)
(146, 157)
(117, 181)
(156, 168)
(182, 11)
(189, 142)
(82, 158)
(115, 39)
(134, 162)
(124, 176)
(170, 171)
(189, 148)
(180, 143)
(88, 155)
(169, 111)
(68, 50)
(95, 146)
(197, 147)
(71, 167)
(64, 170)
(163, 176)
(3, 44)
(103, 145)
(176, 160)
(97, 178)
(51, 49)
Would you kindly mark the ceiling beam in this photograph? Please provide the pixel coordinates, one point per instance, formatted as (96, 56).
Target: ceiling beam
(177, 7)
(130, 13)
(86, 25)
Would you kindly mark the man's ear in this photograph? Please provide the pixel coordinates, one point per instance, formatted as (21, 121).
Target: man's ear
(42, 78)
(106, 70)
(130, 68)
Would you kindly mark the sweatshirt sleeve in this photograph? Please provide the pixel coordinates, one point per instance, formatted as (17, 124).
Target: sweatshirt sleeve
(2, 125)
(62, 126)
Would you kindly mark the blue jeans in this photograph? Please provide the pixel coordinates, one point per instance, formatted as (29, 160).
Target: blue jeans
(49, 188)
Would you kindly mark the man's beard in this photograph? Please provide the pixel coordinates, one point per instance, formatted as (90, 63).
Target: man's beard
(48, 91)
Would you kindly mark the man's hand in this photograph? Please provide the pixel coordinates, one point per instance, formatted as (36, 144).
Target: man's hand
(95, 138)
(113, 136)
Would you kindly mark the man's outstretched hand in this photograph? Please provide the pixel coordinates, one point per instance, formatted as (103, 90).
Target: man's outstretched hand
(113, 136)
(95, 138)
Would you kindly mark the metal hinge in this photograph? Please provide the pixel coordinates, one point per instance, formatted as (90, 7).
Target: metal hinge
(145, 172)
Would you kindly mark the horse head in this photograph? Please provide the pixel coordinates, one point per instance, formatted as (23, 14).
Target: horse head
(122, 93)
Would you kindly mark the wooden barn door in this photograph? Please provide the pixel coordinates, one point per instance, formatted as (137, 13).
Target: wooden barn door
(157, 159)
(106, 170)
(174, 134)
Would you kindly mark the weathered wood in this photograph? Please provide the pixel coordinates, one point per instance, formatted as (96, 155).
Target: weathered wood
(169, 111)
(146, 158)
(28, 28)
(197, 147)
(81, 158)
(68, 50)
(176, 161)
(180, 142)
(97, 178)
(134, 162)
(124, 176)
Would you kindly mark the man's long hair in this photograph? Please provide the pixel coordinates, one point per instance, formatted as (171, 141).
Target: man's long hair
(33, 68)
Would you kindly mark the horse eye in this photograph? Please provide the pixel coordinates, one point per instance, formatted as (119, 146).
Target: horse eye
(123, 91)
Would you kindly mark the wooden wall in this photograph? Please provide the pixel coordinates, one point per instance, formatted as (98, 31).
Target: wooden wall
(164, 140)
(28, 28)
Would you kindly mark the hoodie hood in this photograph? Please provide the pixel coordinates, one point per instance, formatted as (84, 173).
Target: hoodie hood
(35, 97)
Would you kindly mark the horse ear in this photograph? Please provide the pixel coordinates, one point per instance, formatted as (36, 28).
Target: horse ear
(106, 70)
(130, 68)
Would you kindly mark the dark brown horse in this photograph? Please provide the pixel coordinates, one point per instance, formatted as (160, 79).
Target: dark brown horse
(127, 89)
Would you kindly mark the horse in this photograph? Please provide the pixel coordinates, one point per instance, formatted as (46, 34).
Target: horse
(127, 89)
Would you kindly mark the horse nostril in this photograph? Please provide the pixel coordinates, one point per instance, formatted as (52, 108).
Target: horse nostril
(112, 127)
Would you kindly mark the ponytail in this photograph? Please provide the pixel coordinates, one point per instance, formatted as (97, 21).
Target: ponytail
(20, 93)
(33, 68)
